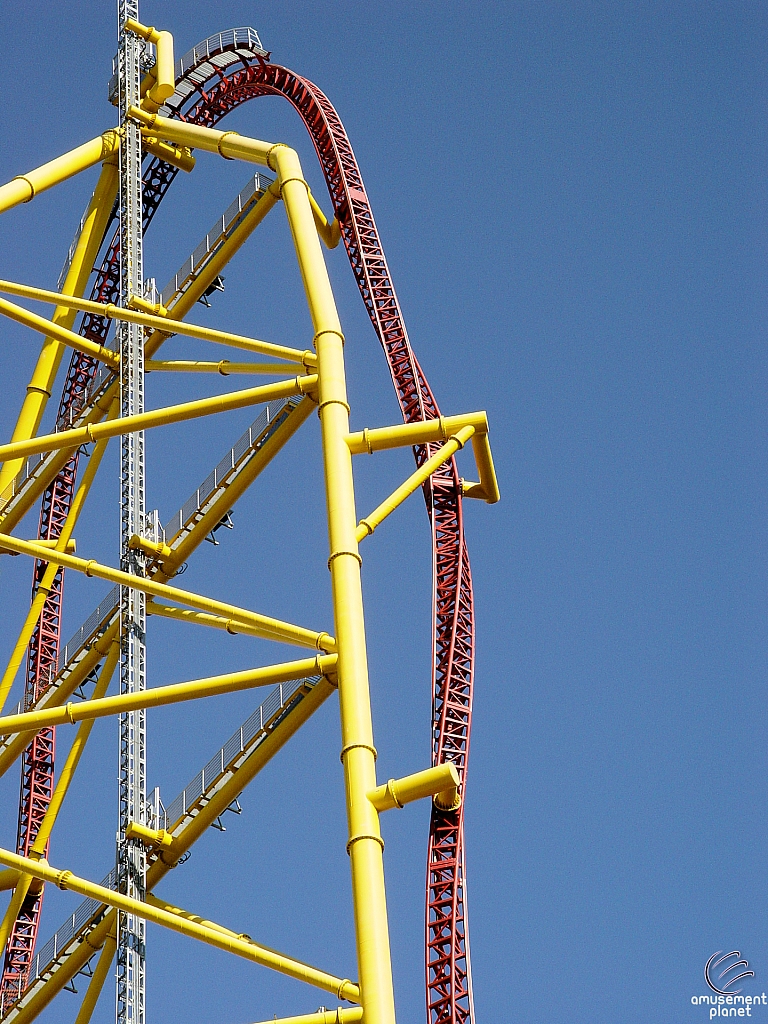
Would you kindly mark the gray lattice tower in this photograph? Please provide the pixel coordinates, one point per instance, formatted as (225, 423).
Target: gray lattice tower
(131, 857)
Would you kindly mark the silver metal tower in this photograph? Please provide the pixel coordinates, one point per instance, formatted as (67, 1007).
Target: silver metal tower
(131, 857)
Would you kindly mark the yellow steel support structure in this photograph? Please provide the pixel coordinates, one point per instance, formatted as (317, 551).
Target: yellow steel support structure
(341, 663)
(94, 226)
(86, 710)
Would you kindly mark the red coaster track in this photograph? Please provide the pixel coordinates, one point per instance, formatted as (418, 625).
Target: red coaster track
(449, 990)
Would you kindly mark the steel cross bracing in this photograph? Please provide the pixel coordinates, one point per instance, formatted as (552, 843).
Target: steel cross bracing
(241, 74)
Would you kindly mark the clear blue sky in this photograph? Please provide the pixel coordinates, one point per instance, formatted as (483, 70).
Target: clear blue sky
(572, 201)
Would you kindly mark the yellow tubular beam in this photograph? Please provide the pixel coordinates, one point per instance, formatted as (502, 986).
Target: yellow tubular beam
(44, 589)
(71, 547)
(177, 155)
(60, 334)
(330, 233)
(415, 480)
(8, 879)
(158, 696)
(56, 696)
(165, 82)
(24, 187)
(440, 429)
(341, 1015)
(169, 325)
(365, 845)
(224, 367)
(169, 611)
(271, 629)
(241, 946)
(87, 247)
(151, 837)
(230, 145)
(441, 782)
(96, 984)
(62, 785)
(405, 434)
(160, 417)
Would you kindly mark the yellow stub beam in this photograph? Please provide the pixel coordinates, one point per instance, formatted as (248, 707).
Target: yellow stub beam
(155, 549)
(441, 782)
(155, 838)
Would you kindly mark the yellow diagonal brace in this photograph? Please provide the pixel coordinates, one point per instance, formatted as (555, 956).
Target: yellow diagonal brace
(175, 693)
(56, 695)
(241, 777)
(96, 984)
(242, 946)
(235, 490)
(415, 480)
(214, 266)
(52, 330)
(39, 389)
(160, 417)
(271, 629)
(168, 325)
(44, 588)
(170, 611)
(62, 786)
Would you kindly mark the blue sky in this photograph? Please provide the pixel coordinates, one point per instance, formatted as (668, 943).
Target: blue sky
(572, 201)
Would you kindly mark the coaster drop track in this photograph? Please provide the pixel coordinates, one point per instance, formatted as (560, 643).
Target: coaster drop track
(205, 101)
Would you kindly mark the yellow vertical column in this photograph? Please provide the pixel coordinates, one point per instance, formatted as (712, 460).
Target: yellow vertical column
(365, 846)
(39, 387)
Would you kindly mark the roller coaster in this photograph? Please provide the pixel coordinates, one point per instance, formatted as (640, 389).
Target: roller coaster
(168, 109)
